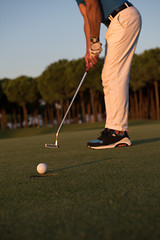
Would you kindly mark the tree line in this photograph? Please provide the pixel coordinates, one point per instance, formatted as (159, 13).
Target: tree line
(42, 101)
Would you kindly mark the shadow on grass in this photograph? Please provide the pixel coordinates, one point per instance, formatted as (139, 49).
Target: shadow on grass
(143, 141)
(53, 172)
(79, 165)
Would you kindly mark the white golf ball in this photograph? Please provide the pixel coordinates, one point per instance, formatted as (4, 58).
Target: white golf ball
(41, 168)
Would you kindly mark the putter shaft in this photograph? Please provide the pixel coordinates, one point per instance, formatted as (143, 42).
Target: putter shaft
(56, 142)
(71, 103)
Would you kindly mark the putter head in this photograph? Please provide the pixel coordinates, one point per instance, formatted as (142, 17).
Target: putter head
(51, 145)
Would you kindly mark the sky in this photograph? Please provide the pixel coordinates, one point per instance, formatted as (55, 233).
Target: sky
(36, 33)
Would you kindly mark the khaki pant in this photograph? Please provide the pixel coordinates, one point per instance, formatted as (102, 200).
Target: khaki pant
(121, 40)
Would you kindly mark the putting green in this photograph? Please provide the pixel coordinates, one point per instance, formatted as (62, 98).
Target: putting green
(86, 194)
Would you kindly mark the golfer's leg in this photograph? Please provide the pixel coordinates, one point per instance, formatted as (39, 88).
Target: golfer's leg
(121, 38)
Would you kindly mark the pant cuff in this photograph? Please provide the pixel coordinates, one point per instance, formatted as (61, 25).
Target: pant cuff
(116, 127)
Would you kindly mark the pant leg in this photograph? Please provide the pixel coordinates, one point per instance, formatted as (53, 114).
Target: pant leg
(121, 39)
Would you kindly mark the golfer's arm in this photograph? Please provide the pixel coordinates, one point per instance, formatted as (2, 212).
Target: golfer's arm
(94, 17)
(82, 9)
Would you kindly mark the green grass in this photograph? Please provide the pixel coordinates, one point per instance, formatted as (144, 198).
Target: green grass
(28, 132)
(93, 194)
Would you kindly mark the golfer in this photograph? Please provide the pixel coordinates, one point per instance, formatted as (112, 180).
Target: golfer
(123, 22)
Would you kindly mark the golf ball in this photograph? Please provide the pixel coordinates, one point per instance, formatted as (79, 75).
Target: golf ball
(41, 168)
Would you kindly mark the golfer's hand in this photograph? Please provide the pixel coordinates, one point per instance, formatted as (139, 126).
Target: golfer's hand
(92, 57)
(95, 50)
(90, 61)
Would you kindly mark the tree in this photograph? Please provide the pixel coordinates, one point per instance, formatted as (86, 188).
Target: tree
(22, 90)
(138, 83)
(152, 63)
(50, 86)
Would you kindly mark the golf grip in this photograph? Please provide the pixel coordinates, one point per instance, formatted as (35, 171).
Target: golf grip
(71, 102)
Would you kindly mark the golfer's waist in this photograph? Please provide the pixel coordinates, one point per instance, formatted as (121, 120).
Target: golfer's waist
(116, 11)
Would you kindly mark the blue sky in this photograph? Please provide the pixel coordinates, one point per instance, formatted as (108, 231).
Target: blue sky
(36, 33)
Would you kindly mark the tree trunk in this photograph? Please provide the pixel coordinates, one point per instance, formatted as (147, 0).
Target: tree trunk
(93, 106)
(19, 117)
(36, 116)
(45, 117)
(157, 99)
(32, 119)
(148, 104)
(89, 111)
(145, 112)
(51, 115)
(25, 113)
(61, 112)
(58, 115)
(74, 113)
(77, 112)
(152, 106)
(69, 113)
(3, 119)
(140, 104)
(14, 118)
(136, 105)
(132, 108)
(83, 107)
(58, 112)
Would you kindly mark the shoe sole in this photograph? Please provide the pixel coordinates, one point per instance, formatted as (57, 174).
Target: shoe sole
(125, 142)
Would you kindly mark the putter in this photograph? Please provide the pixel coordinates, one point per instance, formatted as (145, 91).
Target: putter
(56, 142)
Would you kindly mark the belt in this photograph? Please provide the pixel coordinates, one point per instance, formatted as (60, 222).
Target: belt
(116, 11)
